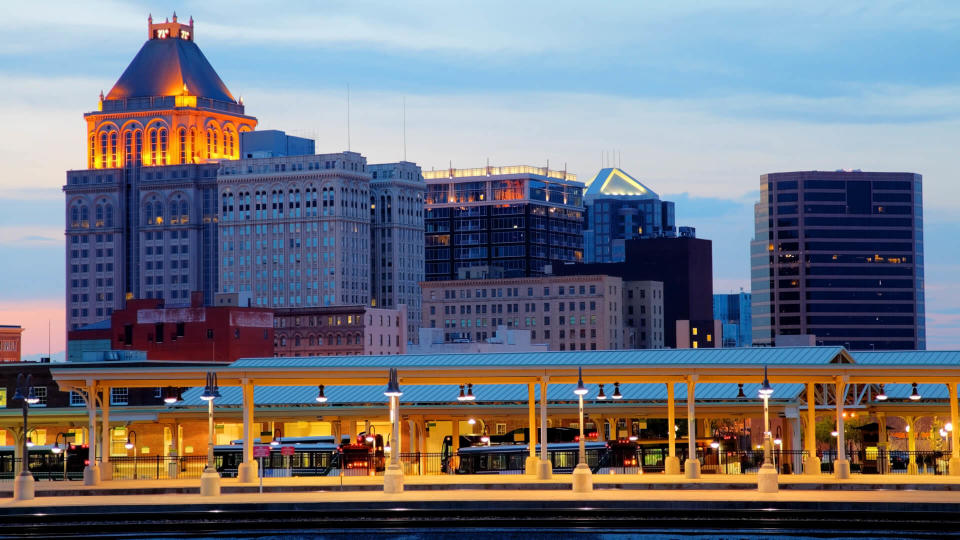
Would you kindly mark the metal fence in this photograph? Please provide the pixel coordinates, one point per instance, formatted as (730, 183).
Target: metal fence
(876, 461)
(156, 467)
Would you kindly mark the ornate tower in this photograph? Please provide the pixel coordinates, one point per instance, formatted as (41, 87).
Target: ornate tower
(142, 217)
(168, 108)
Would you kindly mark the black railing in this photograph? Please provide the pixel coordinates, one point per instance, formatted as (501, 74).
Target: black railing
(927, 462)
(156, 467)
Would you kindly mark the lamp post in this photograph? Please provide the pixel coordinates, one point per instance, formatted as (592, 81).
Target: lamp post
(767, 481)
(210, 479)
(131, 444)
(66, 446)
(582, 477)
(23, 486)
(393, 476)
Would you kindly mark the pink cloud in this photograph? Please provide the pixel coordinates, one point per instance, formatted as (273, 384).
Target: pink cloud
(34, 316)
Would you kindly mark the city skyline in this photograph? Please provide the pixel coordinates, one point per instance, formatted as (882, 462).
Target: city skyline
(850, 122)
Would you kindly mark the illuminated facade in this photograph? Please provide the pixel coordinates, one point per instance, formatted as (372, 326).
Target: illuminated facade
(620, 208)
(839, 255)
(513, 221)
(141, 219)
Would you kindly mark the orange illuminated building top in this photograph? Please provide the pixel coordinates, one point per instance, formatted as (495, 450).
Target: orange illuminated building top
(169, 107)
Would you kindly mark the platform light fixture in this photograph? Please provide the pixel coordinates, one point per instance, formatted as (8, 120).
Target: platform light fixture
(321, 398)
(882, 394)
(580, 390)
(915, 395)
(616, 391)
(601, 395)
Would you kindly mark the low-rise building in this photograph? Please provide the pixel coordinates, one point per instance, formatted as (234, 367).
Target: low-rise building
(505, 340)
(643, 314)
(564, 312)
(10, 343)
(340, 331)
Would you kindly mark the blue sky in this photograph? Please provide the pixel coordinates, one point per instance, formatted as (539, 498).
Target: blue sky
(698, 98)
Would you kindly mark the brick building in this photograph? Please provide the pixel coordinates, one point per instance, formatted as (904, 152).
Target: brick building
(340, 331)
(10, 343)
(217, 333)
(567, 313)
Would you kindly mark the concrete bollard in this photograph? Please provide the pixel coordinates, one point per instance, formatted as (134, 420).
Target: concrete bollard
(23, 487)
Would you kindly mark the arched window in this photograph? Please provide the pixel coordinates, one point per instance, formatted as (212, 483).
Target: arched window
(216, 144)
(153, 148)
(138, 153)
(103, 149)
(183, 145)
(163, 146)
(113, 149)
(98, 213)
(75, 216)
(296, 340)
(338, 339)
(127, 148)
(108, 215)
(184, 212)
(173, 211)
(84, 216)
(312, 341)
(148, 213)
(209, 141)
(158, 212)
(283, 341)
(93, 152)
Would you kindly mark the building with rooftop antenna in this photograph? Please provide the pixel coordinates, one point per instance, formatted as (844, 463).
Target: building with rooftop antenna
(619, 208)
(141, 219)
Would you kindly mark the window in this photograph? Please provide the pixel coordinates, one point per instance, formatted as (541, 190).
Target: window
(41, 393)
(76, 399)
(119, 396)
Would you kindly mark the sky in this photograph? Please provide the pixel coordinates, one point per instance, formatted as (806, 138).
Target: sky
(695, 99)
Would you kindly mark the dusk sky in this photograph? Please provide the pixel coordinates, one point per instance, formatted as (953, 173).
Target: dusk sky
(697, 98)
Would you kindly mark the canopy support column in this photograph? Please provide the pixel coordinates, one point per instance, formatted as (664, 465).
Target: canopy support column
(545, 469)
(671, 465)
(91, 473)
(692, 465)
(954, 433)
(248, 471)
(841, 467)
(911, 445)
(530, 467)
(811, 463)
(106, 470)
(393, 476)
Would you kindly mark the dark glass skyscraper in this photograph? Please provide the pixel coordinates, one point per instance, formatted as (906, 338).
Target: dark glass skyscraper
(839, 255)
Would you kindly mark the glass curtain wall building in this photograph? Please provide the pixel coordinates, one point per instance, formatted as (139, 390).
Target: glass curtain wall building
(512, 221)
(839, 255)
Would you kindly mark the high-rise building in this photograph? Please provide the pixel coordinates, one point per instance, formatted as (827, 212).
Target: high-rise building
(839, 256)
(620, 208)
(511, 220)
(295, 230)
(733, 312)
(141, 218)
(397, 239)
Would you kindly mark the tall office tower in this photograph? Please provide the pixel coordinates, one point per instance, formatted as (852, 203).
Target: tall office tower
(838, 257)
(510, 221)
(295, 230)
(620, 208)
(733, 312)
(141, 219)
(396, 239)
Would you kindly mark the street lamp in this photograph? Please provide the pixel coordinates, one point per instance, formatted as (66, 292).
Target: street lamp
(767, 477)
(171, 395)
(882, 394)
(131, 444)
(66, 446)
(393, 475)
(23, 487)
(210, 479)
(582, 480)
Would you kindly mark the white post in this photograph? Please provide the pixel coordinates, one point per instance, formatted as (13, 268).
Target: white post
(767, 478)
(582, 477)
(210, 478)
(393, 476)
(841, 467)
(545, 469)
(692, 465)
(91, 472)
(247, 472)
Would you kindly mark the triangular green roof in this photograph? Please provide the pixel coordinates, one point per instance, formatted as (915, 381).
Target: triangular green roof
(615, 182)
